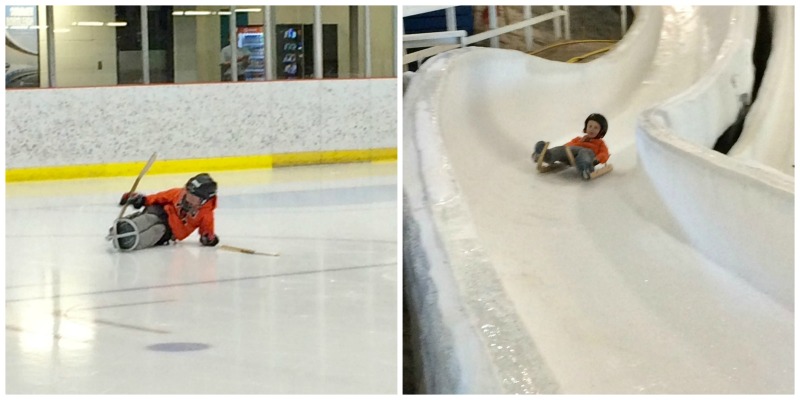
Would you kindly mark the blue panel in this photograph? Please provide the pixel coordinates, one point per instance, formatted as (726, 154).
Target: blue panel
(435, 21)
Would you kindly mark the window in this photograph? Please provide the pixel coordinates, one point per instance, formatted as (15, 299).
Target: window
(102, 45)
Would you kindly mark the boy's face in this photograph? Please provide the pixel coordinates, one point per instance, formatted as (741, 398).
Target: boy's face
(592, 129)
(193, 200)
(191, 203)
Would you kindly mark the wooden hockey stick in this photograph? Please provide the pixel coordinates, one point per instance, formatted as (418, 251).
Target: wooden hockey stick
(247, 251)
(136, 183)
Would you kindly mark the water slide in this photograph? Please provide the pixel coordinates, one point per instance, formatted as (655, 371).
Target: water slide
(672, 274)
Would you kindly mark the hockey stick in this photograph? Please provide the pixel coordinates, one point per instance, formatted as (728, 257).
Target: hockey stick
(136, 183)
(247, 251)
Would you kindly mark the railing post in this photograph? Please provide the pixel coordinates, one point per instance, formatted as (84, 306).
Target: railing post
(450, 15)
(318, 42)
(234, 47)
(557, 24)
(367, 45)
(494, 41)
(624, 20)
(145, 47)
(567, 30)
(527, 13)
(269, 44)
(51, 47)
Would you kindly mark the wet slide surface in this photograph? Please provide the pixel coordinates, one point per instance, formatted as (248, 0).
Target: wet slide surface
(613, 295)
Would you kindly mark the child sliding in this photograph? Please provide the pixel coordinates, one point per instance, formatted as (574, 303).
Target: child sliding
(582, 152)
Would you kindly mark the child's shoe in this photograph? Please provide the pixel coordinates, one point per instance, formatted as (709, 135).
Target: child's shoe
(585, 169)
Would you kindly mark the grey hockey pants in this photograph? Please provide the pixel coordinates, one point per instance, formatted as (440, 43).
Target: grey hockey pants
(152, 225)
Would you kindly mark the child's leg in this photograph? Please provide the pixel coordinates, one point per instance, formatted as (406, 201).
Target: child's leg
(143, 229)
(558, 153)
(151, 229)
(584, 158)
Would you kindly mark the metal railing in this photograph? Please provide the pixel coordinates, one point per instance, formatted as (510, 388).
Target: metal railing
(451, 39)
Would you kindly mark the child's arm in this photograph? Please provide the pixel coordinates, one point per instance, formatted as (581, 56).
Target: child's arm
(575, 141)
(138, 200)
(165, 197)
(602, 155)
(207, 235)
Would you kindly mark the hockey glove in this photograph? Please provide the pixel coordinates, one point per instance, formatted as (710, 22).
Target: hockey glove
(205, 241)
(134, 199)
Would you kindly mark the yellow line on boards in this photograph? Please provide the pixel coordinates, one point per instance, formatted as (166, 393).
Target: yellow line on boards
(200, 164)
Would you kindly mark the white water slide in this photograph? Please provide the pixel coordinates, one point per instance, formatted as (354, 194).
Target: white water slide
(672, 274)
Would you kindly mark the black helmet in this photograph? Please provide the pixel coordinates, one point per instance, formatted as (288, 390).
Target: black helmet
(600, 119)
(202, 186)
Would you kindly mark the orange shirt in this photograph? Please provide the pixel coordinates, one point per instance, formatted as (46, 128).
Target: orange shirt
(598, 146)
(184, 226)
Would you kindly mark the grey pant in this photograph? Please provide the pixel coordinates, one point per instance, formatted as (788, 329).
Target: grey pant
(153, 227)
(584, 158)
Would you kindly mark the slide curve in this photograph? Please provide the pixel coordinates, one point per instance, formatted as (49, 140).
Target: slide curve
(672, 274)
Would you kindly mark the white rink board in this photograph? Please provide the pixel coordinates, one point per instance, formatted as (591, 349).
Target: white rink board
(78, 126)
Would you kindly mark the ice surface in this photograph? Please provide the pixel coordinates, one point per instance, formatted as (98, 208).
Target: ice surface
(321, 318)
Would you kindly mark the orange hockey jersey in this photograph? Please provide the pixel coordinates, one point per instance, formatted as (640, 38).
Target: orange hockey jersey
(182, 227)
(598, 146)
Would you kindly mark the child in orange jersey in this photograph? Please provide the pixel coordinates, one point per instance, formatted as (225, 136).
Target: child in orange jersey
(169, 215)
(588, 150)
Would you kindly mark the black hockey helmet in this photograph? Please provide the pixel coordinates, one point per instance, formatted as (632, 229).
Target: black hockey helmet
(202, 186)
(600, 119)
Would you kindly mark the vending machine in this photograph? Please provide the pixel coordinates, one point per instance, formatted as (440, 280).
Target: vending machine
(290, 51)
(252, 38)
(295, 51)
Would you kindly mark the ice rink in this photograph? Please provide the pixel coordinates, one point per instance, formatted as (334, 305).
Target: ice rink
(319, 319)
